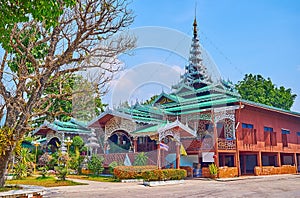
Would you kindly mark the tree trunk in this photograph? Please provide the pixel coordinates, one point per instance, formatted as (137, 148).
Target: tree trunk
(3, 166)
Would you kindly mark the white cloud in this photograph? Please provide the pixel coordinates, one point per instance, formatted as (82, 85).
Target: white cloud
(137, 81)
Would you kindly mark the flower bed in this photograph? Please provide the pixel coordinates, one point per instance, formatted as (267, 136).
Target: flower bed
(131, 172)
(148, 173)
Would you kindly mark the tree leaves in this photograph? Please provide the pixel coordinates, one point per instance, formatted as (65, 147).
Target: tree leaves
(260, 90)
(6, 140)
(17, 11)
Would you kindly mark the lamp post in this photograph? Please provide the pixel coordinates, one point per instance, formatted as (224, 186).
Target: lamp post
(68, 142)
(36, 144)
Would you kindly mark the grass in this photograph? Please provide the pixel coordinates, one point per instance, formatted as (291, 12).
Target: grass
(94, 178)
(46, 182)
(8, 188)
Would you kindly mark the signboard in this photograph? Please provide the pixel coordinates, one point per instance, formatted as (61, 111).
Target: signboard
(208, 156)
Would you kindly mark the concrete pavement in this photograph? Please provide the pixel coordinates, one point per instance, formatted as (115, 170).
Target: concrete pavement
(262, 186)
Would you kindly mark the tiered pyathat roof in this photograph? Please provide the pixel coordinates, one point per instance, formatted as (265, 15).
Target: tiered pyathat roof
(196, 92)
(195, 75)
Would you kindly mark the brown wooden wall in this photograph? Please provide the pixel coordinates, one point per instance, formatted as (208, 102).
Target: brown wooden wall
(260, 118)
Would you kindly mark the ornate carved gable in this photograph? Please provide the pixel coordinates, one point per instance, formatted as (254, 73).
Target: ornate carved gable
(116, 124)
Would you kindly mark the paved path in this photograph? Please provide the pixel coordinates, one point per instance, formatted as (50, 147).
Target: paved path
(269, 186)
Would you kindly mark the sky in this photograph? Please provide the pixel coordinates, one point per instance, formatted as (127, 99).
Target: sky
(241, 37)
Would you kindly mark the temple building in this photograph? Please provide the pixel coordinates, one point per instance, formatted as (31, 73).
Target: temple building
(204, 121)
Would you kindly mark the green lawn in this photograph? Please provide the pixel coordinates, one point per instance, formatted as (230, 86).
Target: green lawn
(46, 182)
(93, 178)
(8, 188)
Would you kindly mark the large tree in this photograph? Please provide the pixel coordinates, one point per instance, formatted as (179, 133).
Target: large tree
(82, 103)
(43, 41)
(258, 89)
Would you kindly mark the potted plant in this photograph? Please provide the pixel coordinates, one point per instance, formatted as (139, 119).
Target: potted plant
(213, 170)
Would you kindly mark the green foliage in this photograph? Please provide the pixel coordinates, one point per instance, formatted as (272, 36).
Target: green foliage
(44, 171)
(20, 170)
(6, 140)
(78, 143)
(164, 174)
(38, 52)
(75, 163)
(113, 165)
(260, 90)
(16, 11)
(40, 181)
(86, 101)
(213, 169)
(24, 165)
(53, 161)
(84, 105)
(140, 160)
(62, 172)
(63, 84)
(131, 172)
(96, 164)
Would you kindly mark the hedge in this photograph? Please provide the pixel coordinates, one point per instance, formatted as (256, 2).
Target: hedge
(148, 173)
(131, 172)
(164, 174)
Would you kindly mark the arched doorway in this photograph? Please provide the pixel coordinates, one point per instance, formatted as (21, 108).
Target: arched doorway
(120, 142)
(53, 145)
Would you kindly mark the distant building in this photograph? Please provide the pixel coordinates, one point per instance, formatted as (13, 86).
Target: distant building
(57, 131)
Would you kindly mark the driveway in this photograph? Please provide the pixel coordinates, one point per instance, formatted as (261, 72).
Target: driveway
(263, 186)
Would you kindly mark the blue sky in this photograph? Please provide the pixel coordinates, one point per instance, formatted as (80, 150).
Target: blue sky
(242, 36)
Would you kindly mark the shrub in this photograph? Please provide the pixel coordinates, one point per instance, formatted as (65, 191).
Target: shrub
(75, 163)
(131, 172)
(61, 172)
(44, 171)
(45, 159)
(78, 143)
(113, 165)
(20, 170)
(96, 164)
(213, 169)
(164, 174)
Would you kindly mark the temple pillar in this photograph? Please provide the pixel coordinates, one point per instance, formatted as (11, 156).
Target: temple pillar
(178, 155)
(216, 156)
(259, 161)
(278, 159)
(296, 162)
(135, 146)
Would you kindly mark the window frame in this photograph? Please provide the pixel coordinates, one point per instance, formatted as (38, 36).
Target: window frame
(247, 126)
(268, 129)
